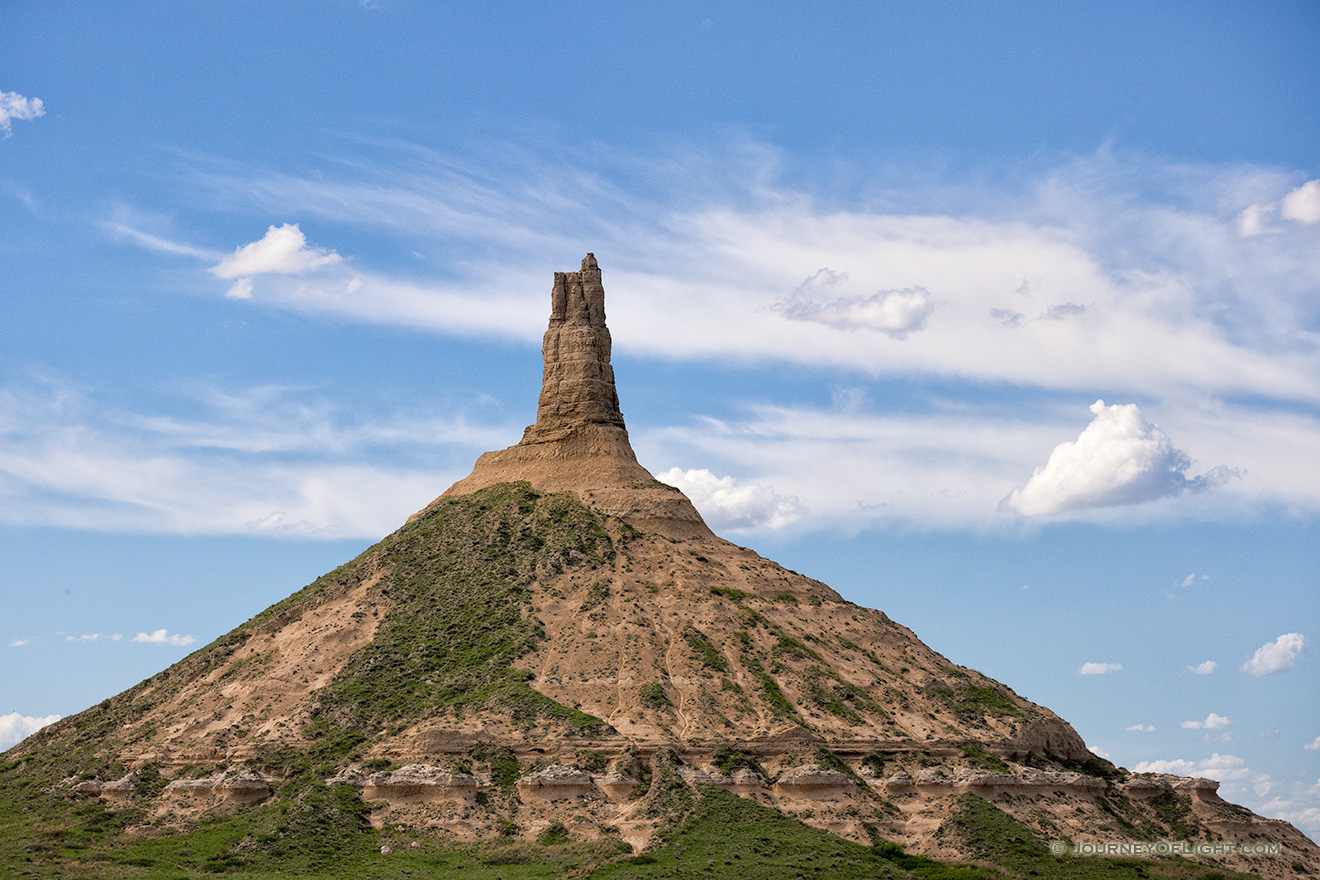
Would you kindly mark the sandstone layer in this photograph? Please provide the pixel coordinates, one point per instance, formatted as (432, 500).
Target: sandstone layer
(558, 637)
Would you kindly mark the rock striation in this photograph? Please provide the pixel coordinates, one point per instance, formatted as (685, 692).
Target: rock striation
(560, 640)
(577, 388)
(579, 442)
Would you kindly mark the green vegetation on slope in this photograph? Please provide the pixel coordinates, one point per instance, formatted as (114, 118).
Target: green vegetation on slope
(994, 836)
(458, 581)
(729, 836)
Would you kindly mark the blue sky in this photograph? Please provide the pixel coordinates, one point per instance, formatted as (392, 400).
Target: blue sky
(275, 275)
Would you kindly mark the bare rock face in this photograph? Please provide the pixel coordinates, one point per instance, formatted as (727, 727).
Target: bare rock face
(579, 442)
(577, 389)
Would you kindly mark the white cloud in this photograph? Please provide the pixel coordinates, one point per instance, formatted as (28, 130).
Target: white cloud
(85, 637)
(1277, 656)
(14, 727)
(163, 637)
(1303, 203)
(1221, 767)
(1177, 767)
(1211, 722)
(18, 643)
(895, 313)
(1093, 750)
(1313, 745)
(1203, 668)
(282, 250)
(67, 460)
(1119, 458)
(277, 523)
(240, 289)
(732, 504)
(1099, 668)
(1174, 299)
(1191, 579)
(15, 106)
(1254, 220)
(1140, 728)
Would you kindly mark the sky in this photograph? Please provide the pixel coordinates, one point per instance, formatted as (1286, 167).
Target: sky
(1001, 318)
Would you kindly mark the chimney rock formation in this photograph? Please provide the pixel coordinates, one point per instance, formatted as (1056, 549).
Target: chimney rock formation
(578, 385)
(579, 443)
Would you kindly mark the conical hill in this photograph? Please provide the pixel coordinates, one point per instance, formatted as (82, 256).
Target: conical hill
(559, 642)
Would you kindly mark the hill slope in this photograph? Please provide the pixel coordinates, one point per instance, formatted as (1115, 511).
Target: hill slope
(558, 649)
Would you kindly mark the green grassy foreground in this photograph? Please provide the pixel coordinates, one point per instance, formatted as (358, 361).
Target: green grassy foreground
(320, 833)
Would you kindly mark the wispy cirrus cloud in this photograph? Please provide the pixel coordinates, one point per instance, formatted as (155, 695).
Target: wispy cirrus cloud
(1129, 294)
(1075, 282)
(264, 461)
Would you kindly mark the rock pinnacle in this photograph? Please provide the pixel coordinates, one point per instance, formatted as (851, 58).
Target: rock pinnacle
(579, 443)
(578, 385)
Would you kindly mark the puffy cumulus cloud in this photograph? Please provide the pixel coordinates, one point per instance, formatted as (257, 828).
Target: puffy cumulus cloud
(1141, 728)
(1277, 656)
(1303, 203)
(895, 313)
(1119, 458)
(1313, 745)
(240, 289)
(1177, 767)
(1302, 811)
(283, 250)
(1205, 668)
(1211, 722)
(14, 727)
(1099, 668)
(277, 523)
(732, 504)
(15, 106)
(1221, 767)
(164, 637)
(1255, 220)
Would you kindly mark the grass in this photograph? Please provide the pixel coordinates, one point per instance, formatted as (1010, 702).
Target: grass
(996, 837)
(729, 761)
(710, 655)
(729, 836)
(653, 696)
(455, 588)
(975, 701)
(978, 756)
(458, 580)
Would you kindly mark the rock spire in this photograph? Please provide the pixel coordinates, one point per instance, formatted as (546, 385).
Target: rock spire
(579, 443)
(578, 384)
